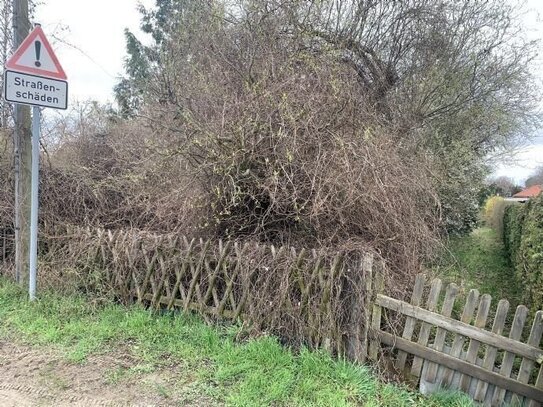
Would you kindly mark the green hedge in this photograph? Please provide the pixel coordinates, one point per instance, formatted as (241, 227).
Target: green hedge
(523, 239)
(513, 220)
(493, 213)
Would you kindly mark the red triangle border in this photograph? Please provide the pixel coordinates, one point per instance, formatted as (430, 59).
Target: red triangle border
(28, 42)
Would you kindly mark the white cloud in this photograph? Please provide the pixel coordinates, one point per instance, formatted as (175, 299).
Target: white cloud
(91, 48)
(527, 160)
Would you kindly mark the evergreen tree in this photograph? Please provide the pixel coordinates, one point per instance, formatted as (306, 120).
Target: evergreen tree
(145, 62)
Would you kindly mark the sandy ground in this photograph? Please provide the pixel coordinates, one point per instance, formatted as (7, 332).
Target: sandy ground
(36, 377)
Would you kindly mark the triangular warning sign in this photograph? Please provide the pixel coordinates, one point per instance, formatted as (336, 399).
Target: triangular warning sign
(35, 56)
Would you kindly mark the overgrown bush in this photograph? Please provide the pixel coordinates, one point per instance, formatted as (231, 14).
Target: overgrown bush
(235, 82)
(286, 149)
(335, 123)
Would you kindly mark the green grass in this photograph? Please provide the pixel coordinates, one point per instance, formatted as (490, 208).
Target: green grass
(255, 372)
(478, 260)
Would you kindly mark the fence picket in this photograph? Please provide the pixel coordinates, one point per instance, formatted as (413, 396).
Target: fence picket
(195, 274)
(410, 322)
(424, 333)
(508, 357)
(527, 365)
(325, 306)
(150, 264)
(376, 316)
(230, 280)
(473, 347)
(491, 351)
(305, 300)
(223, 251)
(538, 385)
(439, 342)
(367, 270)
(158, 288)
(458, 341)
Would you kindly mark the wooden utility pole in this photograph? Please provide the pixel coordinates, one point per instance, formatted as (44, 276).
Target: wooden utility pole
(5, 51)
(23, 156)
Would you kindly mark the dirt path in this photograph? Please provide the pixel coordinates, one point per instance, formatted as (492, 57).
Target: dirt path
(32, 377)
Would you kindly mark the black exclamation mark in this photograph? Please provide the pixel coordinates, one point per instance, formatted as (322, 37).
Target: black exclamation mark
(37, 48)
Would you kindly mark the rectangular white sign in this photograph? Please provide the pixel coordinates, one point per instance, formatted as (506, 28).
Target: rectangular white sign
(35, 90)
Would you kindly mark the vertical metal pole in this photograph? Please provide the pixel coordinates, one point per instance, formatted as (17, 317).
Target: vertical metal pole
(34, 202)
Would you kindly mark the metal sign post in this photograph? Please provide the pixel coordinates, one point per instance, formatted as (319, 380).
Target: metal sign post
(34, 76)
(36, 115)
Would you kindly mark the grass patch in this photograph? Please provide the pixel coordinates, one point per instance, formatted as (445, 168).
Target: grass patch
(478, 260)
(257, 372)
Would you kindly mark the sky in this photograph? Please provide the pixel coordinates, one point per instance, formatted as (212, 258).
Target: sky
(88, 38)
(530, 156)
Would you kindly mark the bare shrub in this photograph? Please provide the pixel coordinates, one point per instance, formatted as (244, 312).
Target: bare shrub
(285, 145)
(262, 136)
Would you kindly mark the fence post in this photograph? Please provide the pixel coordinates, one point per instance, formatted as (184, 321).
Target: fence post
(379, 286)
(357, 335)
(367, 273)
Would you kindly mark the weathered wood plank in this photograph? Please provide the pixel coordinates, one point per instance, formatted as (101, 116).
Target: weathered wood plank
(150, 264)
(509, 357)
(193, 306)
(297, 266)
(355, 345)
(461, 328)
(491, 351)
(461, 366)
(459, 339)
(223, 252)
(473, 347)
(410, 322)
(367, 275)
(179, 275)
(424, 333)
(230, 279)
(196, 272)
(539, 385)
(527, 365)
(446, 310)
(379, 284)
(160, 281)
(325, 306)
(304, 303)
(315, 269)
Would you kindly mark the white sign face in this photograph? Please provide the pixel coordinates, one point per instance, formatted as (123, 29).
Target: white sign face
(35, 90)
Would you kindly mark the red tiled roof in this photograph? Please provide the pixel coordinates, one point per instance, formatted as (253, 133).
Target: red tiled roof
(530, 192)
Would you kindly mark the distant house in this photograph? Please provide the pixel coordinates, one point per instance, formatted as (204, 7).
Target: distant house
(526, 194)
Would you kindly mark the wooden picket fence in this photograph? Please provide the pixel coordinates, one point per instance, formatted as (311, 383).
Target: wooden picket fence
(331, 300)
(303, 296)
(438, 349)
